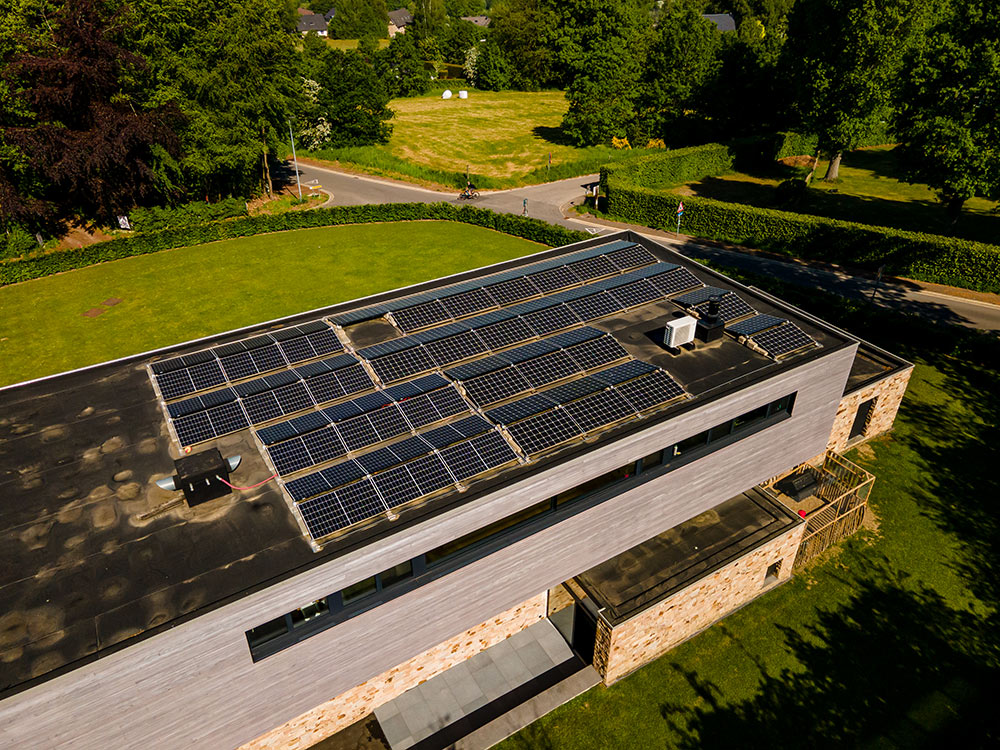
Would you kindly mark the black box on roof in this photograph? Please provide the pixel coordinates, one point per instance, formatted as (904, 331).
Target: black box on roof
(199, 476)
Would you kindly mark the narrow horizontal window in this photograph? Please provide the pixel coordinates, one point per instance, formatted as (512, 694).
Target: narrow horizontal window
(449, 549)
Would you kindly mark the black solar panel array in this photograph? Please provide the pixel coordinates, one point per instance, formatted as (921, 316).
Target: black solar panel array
(265, 398)
(246, 358)
(507, 287)
(784, 339)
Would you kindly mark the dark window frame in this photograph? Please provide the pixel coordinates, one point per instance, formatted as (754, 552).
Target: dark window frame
(424, 571)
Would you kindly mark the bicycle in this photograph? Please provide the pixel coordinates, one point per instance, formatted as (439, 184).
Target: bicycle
(468, 195)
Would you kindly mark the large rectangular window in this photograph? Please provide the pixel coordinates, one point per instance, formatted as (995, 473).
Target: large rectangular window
(282, 632)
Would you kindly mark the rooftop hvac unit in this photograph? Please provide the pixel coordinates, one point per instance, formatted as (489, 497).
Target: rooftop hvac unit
(679, 331)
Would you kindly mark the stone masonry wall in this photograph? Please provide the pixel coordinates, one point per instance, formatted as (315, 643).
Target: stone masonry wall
(889, 394)
(655, 631)
(330, 717)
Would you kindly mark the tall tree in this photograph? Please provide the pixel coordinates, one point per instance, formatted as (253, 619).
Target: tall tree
(523, 33)
(602, 45)
(354, 19)
(844, 58)
(83, 131)
(682, 61)
(401, 67)
(232, 66)
(948, 124)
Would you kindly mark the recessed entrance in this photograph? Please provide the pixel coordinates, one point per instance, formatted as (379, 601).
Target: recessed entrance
(861, 419)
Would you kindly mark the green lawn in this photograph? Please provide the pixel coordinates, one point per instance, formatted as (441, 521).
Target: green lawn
(869, 191)
(503, 138)
(183, 294)
(890, 641)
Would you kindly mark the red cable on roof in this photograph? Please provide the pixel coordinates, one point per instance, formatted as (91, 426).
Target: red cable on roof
(251, 487)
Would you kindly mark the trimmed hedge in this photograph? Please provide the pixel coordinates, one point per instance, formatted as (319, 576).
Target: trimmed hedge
(794, 144)
(16, 271)
(674, 167)
(187, 215)
(933, 258)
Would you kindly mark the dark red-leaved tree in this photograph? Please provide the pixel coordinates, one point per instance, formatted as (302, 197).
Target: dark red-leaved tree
(87, 146)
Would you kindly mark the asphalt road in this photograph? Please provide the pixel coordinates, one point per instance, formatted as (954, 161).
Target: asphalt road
(547, 202)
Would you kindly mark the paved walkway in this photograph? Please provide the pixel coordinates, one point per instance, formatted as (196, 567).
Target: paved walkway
(482, 700)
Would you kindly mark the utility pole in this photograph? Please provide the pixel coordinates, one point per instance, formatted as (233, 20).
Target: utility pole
(295, 159)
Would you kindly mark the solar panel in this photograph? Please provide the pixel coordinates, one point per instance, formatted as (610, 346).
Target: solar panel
(551, 319)
(420, 316)
(293, 398)
(574, 389)
(513, 290)
(674, 281)
(631, 257)
(407, 450)
(593, 268)
(595, 306)
(462, 460)
(267, 358)
(506, 333)
(262, 407)
(357, 433)
(388, 422)
(467, 303)
(599, 409)
(297, 349)
(753, 325)
(343, 473)
(625, 371)
(402, 364)
(496, 386)
(354, 379)
(175, 383)
(194, 428)
(360, 501)
(637, 293)
(290, 456)
(455, 348)
(307, 486)
(554, 278)
(238, 366)
(731, 307)
(472, 425)
(441, 437)
(650, 390)
(543, 431)
(448, 402)
(548, 369)
(323, 445)
(493, 449)
(323, 515)
(227, 418)
(325, 387)
(325, 342)
(429, 473)
(378, 460)
(597, 352)
(396, 486)
(784, 339)
(520, 409)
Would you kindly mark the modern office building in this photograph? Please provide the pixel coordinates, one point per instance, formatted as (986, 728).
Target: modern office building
(260, 538)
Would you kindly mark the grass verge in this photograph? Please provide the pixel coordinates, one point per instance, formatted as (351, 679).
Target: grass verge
(889, 641)
(182, 294)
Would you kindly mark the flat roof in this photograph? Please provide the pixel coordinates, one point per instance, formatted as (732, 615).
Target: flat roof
(658, 568)
(95, 555)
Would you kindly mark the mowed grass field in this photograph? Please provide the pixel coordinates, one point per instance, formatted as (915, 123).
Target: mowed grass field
(183, 294)
(504, 139)
(869, 191)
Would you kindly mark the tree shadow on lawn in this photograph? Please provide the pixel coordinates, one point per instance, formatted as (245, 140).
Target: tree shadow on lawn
(926, 215)
(556, 136)
(894, 667)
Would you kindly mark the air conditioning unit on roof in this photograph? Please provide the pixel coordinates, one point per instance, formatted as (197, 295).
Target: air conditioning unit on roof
(679, 331)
